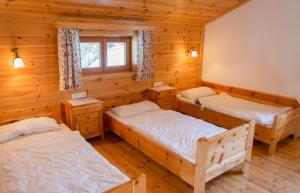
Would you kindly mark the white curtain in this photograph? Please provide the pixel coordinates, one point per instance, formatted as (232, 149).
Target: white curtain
(145, 69)
(69, 59)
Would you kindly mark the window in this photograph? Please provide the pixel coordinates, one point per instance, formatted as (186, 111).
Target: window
(105, 54)
(90, 54)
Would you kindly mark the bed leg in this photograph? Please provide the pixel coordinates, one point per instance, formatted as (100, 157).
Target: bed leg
(246, 165)
(200, 167)
(272, 148)
(295, 136)
(297, 130)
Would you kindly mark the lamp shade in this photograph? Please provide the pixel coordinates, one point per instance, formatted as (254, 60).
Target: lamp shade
(194, 54)
(18, 63)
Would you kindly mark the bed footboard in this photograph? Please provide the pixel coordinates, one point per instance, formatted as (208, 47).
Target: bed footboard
(288, 123)
(285, 125)
(137, 185)
(223, 152)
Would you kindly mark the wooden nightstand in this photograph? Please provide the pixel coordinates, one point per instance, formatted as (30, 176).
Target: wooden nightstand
(86, 116)
(164, 96)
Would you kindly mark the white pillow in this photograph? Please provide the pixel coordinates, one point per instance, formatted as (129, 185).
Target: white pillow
(194, 93)
(43, 124)
(135, 108)
(27, 126)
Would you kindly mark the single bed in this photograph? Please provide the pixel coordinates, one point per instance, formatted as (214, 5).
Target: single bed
(274, 122)
(54, 160)
(191, 148)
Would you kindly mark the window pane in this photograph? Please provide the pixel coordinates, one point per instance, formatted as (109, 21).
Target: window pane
(90, 54)
(116, 54)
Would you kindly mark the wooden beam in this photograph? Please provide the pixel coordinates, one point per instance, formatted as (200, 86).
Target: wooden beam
(104, 26)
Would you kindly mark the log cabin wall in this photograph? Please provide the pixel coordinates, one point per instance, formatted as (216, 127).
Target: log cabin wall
(38, 81)
(30, 26)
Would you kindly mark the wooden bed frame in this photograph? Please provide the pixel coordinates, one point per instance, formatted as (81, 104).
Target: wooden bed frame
(214, 155)
(136, 185)
(284, 125)
(52, 110)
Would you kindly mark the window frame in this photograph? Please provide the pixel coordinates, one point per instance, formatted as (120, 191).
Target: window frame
(94, 40)
(103, 40)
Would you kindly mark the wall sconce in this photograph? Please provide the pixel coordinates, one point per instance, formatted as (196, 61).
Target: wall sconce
(193, 50)
(18, 61)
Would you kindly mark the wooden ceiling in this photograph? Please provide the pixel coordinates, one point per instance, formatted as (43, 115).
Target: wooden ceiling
(166, 11)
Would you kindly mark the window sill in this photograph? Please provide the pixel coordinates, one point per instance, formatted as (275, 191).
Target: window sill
(116, 75)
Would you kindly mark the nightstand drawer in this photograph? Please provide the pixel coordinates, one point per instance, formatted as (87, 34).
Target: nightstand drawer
(167, 106)
(89, 125)
(160, 95)
(167, 93)
(87, 109)
(170, 100)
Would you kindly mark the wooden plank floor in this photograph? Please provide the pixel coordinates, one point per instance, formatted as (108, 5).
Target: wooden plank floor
(279, 173)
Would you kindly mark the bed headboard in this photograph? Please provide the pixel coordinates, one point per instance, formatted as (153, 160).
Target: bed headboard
(254, 95)
(49, 110)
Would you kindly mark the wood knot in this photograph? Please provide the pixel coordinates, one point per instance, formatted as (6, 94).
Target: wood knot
(221, 158)
(212, 159)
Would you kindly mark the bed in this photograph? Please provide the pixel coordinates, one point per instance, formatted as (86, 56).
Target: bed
(191, 148)
(276, 117)
(39, 155)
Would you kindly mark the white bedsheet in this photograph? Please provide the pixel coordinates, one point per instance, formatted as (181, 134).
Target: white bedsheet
(57, 162)
(243, 109)
(173, 130)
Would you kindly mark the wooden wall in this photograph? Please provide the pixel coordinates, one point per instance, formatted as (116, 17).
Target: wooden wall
(35, 36)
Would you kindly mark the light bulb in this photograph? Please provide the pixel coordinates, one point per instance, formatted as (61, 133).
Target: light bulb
(194, 54)
(18, 63)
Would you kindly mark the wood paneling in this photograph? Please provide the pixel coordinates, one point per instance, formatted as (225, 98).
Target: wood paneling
(35, 35)
(179, 11)
(30, 25)
(49, 110)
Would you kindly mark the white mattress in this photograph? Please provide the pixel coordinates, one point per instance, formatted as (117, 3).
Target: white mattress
(241, 108)
(57, 162)
(171, 129)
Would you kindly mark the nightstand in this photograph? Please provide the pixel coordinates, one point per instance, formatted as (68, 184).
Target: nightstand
(86, 116)
(164, 96)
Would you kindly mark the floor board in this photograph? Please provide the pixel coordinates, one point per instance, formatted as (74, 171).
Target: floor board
(279, 173)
